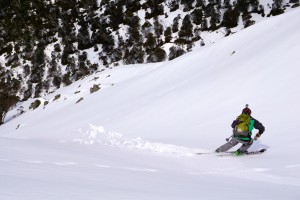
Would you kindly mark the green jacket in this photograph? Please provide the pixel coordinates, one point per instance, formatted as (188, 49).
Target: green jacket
(252, 124)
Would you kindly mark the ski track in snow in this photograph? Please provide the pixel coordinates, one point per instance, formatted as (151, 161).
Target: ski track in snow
(98, 135)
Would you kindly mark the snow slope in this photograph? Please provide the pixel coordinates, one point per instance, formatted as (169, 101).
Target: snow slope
(137, 136)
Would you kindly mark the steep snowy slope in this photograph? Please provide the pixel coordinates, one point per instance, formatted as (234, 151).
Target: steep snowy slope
(173, 109)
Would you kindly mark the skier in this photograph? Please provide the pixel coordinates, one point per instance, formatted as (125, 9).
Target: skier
(242, 131)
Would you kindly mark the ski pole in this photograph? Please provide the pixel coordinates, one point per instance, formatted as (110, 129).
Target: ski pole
(227, 139)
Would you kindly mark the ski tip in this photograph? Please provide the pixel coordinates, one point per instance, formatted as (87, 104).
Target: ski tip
(203, 153)
(256, 152)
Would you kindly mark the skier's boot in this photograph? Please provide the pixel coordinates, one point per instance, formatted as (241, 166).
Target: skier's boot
(239, 152)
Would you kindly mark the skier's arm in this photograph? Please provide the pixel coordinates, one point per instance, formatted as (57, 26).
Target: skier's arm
(234, 123)
(259, 126)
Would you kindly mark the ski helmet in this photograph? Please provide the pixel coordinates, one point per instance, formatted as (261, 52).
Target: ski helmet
(246, 110)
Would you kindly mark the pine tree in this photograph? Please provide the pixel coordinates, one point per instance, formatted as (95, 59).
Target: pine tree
(204, 25)
(168, 35)
(83, 36)
(214, 19)
(230, 17)
(276, 8)
(186, 31)
(175, 52)
(147, 28)
(150, 43)
(6, 101)
(175, 26)
(134, 56)
(157, 55)
(158, 27)
(116, 14)
(200, 3)
(188, 5)
(197, 16)
(173, 5)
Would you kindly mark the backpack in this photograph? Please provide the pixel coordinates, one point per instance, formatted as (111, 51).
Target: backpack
(243, 128)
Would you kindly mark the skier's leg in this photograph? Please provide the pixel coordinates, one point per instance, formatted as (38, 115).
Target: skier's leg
(246, 146)
(227, 146)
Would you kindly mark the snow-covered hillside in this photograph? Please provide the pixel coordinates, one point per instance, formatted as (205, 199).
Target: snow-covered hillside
(46, 45)
(137, 136)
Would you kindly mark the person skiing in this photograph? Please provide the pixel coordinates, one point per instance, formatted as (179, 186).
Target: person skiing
(242, 131)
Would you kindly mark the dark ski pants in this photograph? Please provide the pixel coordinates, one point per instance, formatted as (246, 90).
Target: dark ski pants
(234, 141)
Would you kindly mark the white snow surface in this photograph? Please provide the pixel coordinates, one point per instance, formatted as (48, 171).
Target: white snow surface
(137, 137)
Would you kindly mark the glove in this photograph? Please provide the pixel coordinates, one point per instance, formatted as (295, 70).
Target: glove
(257, 136)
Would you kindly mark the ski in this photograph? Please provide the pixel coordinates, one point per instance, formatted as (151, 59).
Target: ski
(232, 153)
(256, 152)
